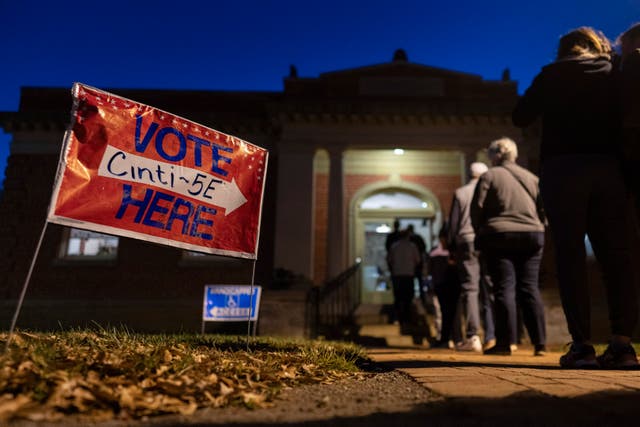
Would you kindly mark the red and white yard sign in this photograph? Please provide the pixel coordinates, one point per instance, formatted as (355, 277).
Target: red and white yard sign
(135, 171)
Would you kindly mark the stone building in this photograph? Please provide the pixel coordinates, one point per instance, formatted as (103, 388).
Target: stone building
(350, 151)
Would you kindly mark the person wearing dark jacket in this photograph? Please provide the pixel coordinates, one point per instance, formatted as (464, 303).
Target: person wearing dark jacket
(444, 280)
(403, 259)
(583, 191)
(510, 234)
(628, 77)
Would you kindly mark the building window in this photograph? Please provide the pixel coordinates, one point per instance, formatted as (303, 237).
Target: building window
(83, 244)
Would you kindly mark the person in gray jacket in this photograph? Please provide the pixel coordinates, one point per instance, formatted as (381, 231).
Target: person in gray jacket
(460, 241)
(510, 233)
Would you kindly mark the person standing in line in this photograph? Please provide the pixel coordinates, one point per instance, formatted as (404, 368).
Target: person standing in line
(427, 297)
(422, 249)
(416, 239)
(442, 273)
(627, 71)
(403, 259)
(460, 240)
(393, 236)
(583, 190)
(510, 233)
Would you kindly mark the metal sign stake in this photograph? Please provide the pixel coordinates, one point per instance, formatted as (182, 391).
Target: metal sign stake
(24, 287)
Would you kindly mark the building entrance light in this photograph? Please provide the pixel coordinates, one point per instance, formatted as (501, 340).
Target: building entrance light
(384, 228)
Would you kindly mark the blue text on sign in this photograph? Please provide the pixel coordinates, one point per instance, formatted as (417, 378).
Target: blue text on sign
(141, 145)
(153, 208)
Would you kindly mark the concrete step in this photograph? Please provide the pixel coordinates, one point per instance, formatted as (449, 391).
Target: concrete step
(371, 314)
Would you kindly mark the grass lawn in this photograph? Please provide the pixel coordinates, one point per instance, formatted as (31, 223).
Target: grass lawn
(102, 374)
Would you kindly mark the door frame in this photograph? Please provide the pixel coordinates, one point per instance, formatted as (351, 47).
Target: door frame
(358, 216)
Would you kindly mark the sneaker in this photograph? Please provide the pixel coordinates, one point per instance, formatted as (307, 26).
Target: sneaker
(471, 344)
(540, 350)
(498, 350)
(579, 356)
(513, 347)
(618, 356)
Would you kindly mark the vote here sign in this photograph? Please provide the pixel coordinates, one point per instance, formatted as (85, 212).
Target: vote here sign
(132, 170)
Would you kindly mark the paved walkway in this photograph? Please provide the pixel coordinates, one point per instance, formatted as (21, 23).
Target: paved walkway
(458, 374)
(467, 375)
(503, 390)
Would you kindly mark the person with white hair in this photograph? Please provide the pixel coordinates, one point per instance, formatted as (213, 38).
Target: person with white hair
(507, 218)
(460, 241)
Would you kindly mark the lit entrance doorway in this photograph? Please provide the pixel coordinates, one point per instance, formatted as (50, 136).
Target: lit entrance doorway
(373, 217)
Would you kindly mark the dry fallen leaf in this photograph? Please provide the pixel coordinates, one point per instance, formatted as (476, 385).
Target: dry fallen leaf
(10, 404)
(253, 398)
(224, 389)
(100, 376)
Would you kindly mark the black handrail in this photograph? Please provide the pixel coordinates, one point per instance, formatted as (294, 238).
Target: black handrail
(331, 306)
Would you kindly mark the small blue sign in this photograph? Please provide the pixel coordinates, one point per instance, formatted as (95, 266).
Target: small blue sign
(231, 303)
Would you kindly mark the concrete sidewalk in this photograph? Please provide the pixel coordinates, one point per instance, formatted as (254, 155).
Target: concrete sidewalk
(457, 375)
(520, 389)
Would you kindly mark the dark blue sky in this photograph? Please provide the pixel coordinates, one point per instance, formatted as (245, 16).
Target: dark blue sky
(249, 45)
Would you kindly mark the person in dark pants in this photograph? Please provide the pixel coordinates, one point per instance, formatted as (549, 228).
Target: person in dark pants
(486, 307)
(392, 237)
(583, 191)
(510, 233)
(461, 241)
(422, 250)
(627, 73)
(403, 258)
(444, 279)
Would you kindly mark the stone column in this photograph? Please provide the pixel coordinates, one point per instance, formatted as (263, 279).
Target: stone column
(336, 233)
(293, 244)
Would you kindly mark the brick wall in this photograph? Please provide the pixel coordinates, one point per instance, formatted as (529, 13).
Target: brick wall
(442, 186)
(27, 190)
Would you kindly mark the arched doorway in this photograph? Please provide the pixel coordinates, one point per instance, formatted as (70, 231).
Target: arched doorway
(373, 212)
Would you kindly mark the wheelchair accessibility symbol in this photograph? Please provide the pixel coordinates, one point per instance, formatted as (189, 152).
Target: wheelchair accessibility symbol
(232, 300)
